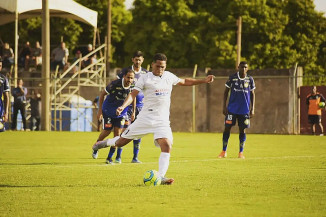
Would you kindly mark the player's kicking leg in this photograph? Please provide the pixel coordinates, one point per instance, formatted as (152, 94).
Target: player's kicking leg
(102, 135)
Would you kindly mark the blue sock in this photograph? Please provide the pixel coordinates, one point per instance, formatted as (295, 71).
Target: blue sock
(119, 151)
(111, 152)
(242, 139)
(226, 136)
(136, 148)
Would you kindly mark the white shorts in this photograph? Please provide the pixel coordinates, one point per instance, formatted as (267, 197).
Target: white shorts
(140, 128)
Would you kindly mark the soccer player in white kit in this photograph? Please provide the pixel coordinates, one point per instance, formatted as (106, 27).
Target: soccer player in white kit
(154, 117)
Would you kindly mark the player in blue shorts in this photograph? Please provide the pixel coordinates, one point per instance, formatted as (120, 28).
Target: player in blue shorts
(4, 102)
(241, 106)
(133, 111)
(116, 92)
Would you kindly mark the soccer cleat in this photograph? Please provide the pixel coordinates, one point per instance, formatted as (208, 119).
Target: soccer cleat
(98, 145)
(166, 181)
(222, 155)
(109, 161)
(135, 161)
(321, 134)
(95, 154)
(241, 155)
(117, 160)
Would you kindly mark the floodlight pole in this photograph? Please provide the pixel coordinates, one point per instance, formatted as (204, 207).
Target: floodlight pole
(45, 123)
(108, 56)
(239, 24)
(16, 47)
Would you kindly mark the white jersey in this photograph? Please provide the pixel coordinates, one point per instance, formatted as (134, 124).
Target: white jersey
(157, 96)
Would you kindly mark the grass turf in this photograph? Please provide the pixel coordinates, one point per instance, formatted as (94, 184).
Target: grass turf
(53, 174)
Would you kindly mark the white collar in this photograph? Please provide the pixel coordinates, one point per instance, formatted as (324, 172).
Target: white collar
(136, 72)
(239, 76)
(123, 84)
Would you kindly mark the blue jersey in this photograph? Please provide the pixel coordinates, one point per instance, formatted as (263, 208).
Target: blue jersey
(239, 101)
(4, 87)
(117, 93)
(140, 96)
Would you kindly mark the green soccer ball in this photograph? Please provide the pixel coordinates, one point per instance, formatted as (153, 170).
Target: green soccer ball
(151, 178)
(321, 105)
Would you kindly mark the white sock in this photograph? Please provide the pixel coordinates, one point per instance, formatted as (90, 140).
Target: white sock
(163, 163)
(111, 142)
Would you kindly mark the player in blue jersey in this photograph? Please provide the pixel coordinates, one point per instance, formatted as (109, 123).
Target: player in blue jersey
(241, 106)
(116, 92)
(4, 102)
(134, 109)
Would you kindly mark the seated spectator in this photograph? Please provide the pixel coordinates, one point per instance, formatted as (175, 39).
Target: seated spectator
(37, 54)
(24, 56)
(7, 56)
(89, 60)
(59, 57)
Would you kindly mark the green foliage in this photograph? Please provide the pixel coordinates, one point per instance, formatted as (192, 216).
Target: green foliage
(275, 34)
(53, 174)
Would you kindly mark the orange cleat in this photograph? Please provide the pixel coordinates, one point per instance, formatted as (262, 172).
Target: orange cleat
(241, 155)
(222, 155)
(167, 181)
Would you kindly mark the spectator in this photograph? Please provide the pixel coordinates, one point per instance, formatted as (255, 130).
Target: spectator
(7, 56)
(90, 59)
(35, 102)
(19, 93)
(77, 57)
(25, 55)
(59, 57)
(37, 54)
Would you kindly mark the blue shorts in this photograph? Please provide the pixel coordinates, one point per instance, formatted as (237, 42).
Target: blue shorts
(243, 120)
(109, 123)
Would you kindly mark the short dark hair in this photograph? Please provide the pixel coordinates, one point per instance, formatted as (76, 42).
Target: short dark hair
(0, 59)
(160, 56)
(127, 71)
(243, 63)
(138, 53)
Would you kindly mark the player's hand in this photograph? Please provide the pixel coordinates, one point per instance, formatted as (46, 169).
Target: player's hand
(5, 117)
(210, 78)
(119, 110)
(99, 115)
(225, 111)
(252, 113)
(133, 117)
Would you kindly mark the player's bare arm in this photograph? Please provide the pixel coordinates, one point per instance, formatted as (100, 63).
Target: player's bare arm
(253, 98)
(133, 115)
(192, 81)
(225, 98)
(101, 100)
(130, 98)
(6, 108)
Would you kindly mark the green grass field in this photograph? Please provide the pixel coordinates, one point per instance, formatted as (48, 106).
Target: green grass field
(53, 174)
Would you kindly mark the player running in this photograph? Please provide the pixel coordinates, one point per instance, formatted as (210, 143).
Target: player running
(154, 117)
(134, 109)
(241, 106)
(116, 92)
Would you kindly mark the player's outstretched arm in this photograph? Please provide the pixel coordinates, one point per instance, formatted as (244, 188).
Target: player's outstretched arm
(192, 81)
(130, 98)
